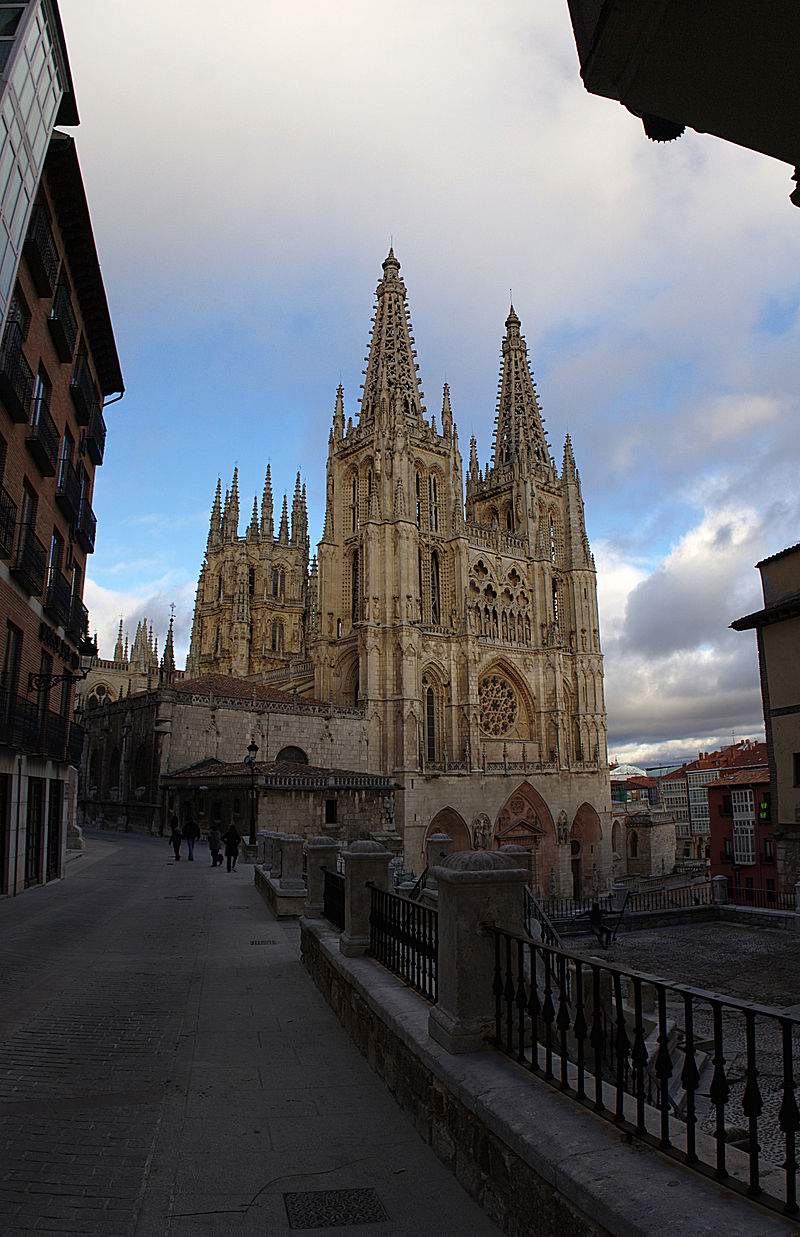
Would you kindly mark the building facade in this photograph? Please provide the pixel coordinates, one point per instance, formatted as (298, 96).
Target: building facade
(642, 832)
(742, 843)
(465, 630)
(58, 363)
(134, 667)
(777, 628)
(684, 793)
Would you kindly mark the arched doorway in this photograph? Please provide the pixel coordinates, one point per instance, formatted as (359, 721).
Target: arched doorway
(585, 856)
(525, 820)
(448, 821)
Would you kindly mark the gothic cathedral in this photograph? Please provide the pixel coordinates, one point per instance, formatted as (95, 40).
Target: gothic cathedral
(466, 632)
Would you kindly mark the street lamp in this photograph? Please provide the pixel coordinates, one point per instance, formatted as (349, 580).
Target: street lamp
(250, 759)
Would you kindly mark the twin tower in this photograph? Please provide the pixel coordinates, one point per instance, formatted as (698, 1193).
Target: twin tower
(464, 626)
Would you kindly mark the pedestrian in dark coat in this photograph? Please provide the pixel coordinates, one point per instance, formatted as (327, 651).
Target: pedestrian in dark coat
(215, 846)
(176, 837)
(191, 831)
(232, 839)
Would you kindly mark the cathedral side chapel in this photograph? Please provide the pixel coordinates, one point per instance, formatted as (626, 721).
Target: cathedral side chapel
(460, 632)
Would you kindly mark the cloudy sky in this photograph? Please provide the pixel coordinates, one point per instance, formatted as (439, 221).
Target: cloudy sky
(247, 166)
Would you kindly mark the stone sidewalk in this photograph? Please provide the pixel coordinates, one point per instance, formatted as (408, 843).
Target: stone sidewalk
(169, 1069)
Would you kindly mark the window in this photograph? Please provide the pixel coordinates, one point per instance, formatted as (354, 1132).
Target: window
(727, 852)
(277, 637)
(555, 603)
(433, 498)
(67, 447)
(354, 585)
(430, 724)
(278, 582)
(251, 580)
(418, 498)
(725, 810)
(634, 846)
(769, 850)
(744, 842)
(56, 551)
(436, 607)
(19, 316)
(30, 502)
(330, 811)
(354, 505)
(11, 663)
(42, 388)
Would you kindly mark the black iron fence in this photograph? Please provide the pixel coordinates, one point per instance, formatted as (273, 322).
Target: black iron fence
(663, 899)
(764, 899)
(333, 898)
(404, 937)
(687, 1071)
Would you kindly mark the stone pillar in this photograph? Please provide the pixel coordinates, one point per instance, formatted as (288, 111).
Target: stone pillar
(719, 887)
(437, 849)
(521, 856)
(363, 861)
(320, 853)
(620, 893)
(476, 888)
(291, 880)
(797, 896)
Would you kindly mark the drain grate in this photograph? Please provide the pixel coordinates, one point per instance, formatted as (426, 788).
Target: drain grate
(334, 1208)
(263, 942)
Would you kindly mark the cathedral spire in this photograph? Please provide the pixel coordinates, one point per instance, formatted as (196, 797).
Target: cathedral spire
(267, 527)
(168, 659)
(391, 375)
(230, 519)
(252, 531)
(216, 517)
(338, 413)
(519, 436)
(447, 412)
(283, 532)
(118, 653)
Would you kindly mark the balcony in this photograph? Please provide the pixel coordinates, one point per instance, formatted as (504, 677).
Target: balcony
(19, 721)
(16, 376)
(40, 252)
(68, 491)
(62, 323)
(83, 391)
(42, 440)
(29, 563)
(75, 744)
(58, 597)
(96, 437)
(8, 523)
(54, 736)
(86, 528)
(78, 620)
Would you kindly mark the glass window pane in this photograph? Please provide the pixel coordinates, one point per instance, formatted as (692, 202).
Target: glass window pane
(9, 20)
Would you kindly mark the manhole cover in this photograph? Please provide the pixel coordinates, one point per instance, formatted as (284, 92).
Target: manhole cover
(334, 1208)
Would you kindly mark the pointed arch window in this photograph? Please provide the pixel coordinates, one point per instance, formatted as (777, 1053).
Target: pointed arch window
(418, 497)
(277, 636)
(433, 500)
(436, 596)
(429, 725)
(251, 580)
(553, 546)
(354, 505)
(555, 603)
(278, 582)
(354, 586)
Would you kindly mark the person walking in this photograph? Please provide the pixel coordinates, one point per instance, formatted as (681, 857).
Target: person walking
(191, 831)
(215, 846)
(175, 838)
(232, 839)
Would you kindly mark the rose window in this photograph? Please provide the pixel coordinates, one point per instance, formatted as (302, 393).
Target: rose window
(498, 705)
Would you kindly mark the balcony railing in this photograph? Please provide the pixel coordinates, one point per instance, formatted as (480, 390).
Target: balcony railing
(78, 620)
(86, 528)
(40, 252)
(404, 937)
(8, 523)
(54, 736)
(62, 323)
(82, 389)
(58, 597)
(42, 440)
(29, 563)
(764, 899)
(75, 744)
(16, 376)
(68, 491)
(96, 437)
(19, 721)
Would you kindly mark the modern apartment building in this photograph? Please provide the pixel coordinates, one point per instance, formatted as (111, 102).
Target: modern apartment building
(58, 364)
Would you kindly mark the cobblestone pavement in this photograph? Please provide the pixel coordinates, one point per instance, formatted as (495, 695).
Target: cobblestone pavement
(168, 1069)
(756, 965)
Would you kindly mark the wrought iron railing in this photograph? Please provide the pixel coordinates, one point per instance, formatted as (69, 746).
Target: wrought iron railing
(42, 439)
(8, 522)
(595, 1031)
(82, 389)
(534, 911)
(75, 744)
(333, 898)
(54, 735)
(764, 899)
(568, 908)
(30, 560)
(404, 937)
(20, 721)
(40, 250)
(87, 527)
(58, 596)
(16, 375)
(78, 619)
(62, 323)
(96, 437)
(68, 490)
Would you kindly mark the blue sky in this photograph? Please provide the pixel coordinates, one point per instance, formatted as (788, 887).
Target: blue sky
(246, 169)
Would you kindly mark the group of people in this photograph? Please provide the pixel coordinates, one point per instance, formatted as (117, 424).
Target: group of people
(190, 833)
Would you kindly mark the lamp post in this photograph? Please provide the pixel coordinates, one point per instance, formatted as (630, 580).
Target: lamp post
(250, 759)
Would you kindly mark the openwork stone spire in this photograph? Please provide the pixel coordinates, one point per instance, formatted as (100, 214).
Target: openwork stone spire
(519, 436)
(391, 374)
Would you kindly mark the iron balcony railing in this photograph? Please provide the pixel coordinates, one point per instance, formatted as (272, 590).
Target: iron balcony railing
(333, 898)
(68, 490)
(663, 899)
(82, 389)
(19, 721)
(78, 619)
(404, 937)
(86, 528)
(62, 323)
(96, 437)
(40, 251)
(726, 1070)
(16, 375)
(58, 596)
(42, 440)
(8, 523)
(29, 563)
(54, 736)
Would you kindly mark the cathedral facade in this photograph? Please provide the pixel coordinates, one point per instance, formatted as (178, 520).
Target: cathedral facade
(464, 627)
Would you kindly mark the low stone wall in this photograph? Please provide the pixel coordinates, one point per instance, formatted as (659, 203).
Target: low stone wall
(539, 1164)
(282, 905)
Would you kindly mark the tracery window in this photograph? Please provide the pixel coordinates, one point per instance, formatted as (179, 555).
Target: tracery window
(418, 497)
(354, 505)
(498, 704)
(100, 694)
(433, 498)
(278, 582)
(277, 636)
(354, 586)
(430, 724)
(436, 600)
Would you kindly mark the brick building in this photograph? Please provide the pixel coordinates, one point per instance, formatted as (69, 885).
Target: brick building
(684, 794)
(742, 842)
(58, 363)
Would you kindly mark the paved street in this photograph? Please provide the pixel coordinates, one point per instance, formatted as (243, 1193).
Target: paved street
(167, 1068)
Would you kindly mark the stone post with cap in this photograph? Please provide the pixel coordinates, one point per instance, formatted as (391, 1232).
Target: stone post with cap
(321, 853)
(364, 861)
(477, 888)
(438, 847)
